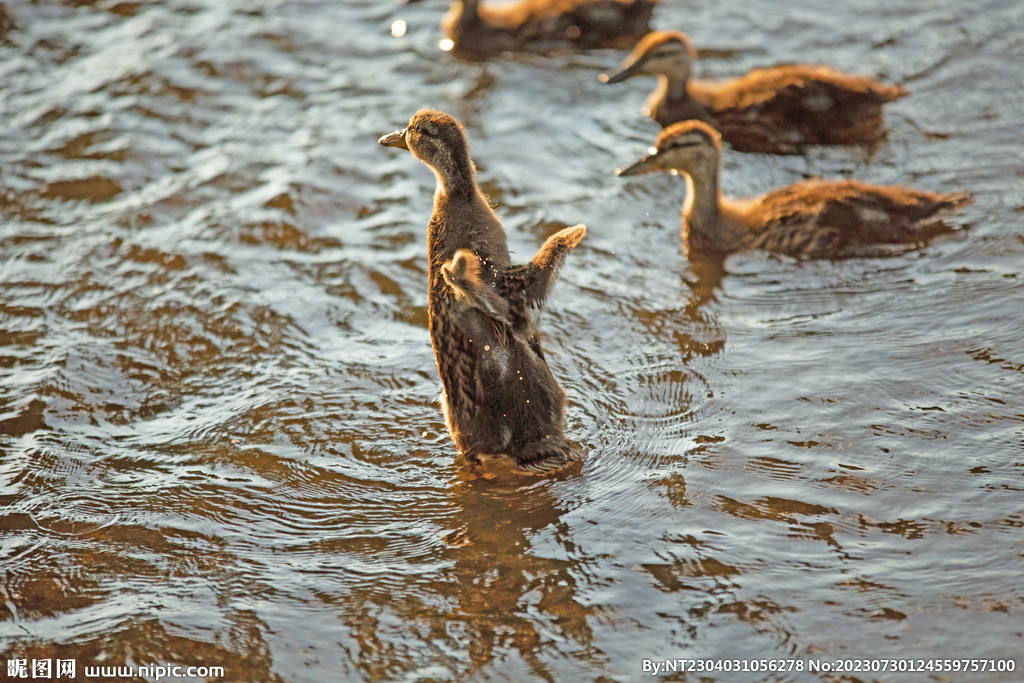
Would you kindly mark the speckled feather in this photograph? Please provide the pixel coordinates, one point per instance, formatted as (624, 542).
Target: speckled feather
(809, 219)
(499, 397)
(776, 110)
(819, 218)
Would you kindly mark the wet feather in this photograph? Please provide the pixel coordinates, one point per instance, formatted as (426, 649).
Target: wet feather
(776, 110)
(809, 219)
(499, 396)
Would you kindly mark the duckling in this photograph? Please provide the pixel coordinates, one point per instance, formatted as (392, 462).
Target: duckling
(810, 219)
(542, 25)
(498, 394)
(778, 110)
(6, 22)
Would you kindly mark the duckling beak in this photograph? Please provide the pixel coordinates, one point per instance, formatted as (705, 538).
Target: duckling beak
(396, 139)
(649, 163)
(626, 72)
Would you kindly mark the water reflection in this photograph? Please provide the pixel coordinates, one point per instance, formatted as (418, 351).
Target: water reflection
(243, 654)
(510, 597)
(507, 593)
(705, 278)
(219, 436)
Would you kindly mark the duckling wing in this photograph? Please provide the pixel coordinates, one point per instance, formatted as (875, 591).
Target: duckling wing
(537, 278)
(797, 105)
(462, 274)
(825, 219)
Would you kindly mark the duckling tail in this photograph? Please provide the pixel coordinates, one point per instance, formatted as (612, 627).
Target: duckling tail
(956, 200)
(546, 455)
(936, 208)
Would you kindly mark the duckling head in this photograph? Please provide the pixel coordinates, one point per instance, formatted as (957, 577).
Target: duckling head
(438, 140)
(690, 147)
(666, 53)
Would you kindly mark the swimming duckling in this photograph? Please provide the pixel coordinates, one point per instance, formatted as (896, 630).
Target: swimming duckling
(6, 22)
(810, 219)
(778, 110)
(542, 25)
(499, 397)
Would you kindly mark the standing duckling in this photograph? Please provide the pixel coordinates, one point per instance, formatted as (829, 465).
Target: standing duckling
(542, 25)
(499, 397)
(810, 219)
(778, 110)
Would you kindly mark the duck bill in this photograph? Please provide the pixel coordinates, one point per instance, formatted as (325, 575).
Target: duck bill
(396, 139)
(646, 165)
(624, 73)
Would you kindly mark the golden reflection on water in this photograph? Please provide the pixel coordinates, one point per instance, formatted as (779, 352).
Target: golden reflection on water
(219, 437)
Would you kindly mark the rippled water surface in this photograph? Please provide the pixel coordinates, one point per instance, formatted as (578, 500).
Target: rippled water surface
(219, 437)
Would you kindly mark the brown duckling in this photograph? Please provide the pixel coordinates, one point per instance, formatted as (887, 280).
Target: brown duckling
(6, 22)
(498, 397)
(542, 25)
(778, 110)
(810, 219)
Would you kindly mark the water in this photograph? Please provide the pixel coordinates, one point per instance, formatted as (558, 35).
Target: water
(220, 439)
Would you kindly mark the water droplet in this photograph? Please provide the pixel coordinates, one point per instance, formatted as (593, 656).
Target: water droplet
(398, 28)
(446, 44)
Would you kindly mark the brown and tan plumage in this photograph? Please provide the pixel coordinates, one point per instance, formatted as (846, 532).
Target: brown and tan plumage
(810, 219)
(6, 22)
(543, 25)
(499, 397)
(778, 110)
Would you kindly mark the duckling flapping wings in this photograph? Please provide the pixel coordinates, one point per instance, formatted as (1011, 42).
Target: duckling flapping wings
(536, 279)
(528, 284)
(542, 271)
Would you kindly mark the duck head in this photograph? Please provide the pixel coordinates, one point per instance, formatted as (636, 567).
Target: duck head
(665, 53)
(690, 147)
(438, 140)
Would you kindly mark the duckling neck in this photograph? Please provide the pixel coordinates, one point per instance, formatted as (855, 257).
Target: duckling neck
(702, 213)
(466, 13)
(672, 87)
(463, 219)
(457, 181)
